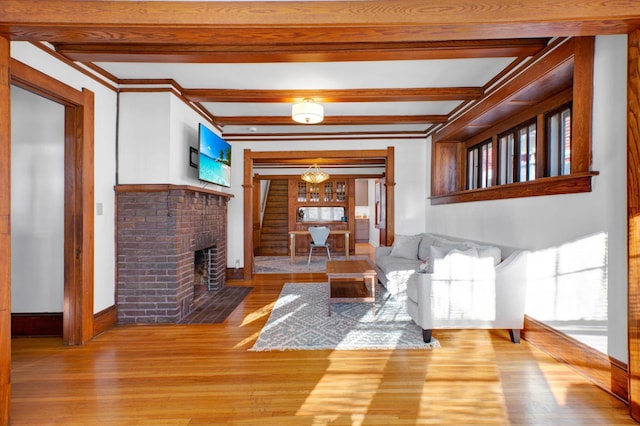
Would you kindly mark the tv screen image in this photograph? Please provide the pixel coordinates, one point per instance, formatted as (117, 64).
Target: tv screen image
(214, 158)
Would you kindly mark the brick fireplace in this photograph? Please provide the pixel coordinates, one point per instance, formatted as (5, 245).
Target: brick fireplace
(169, 239)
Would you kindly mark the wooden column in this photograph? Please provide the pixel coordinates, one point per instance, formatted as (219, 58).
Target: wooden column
(633, 220)
(5, 233)
(390, 188)
(582, 104)
(248, 214)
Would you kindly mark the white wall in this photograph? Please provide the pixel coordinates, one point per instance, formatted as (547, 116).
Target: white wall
(104, 154)
(144, 154)
(37, 203)
(156, 130)
(552, 221)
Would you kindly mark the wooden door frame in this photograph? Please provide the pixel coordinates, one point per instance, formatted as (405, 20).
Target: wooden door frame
(249, 186)
(78, 198)
(633, 222)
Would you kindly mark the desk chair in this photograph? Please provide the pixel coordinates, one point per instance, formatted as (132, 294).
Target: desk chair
(319, 235)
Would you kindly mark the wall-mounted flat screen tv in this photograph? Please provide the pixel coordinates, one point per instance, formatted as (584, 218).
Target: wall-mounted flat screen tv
(214, 159)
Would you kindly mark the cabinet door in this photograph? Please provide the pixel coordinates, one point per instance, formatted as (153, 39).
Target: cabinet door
(328, 193)
(341, 190)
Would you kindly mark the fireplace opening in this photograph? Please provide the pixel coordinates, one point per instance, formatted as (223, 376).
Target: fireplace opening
(205, 278)
(200, 273)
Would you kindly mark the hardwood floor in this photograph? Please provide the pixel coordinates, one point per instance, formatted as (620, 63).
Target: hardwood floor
(203, 374)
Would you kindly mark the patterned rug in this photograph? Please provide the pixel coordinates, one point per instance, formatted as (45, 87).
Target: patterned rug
(300, 320)
(283, 265)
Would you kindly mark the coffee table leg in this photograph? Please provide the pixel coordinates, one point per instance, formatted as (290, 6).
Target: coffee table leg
(329, 283)
(373, 294)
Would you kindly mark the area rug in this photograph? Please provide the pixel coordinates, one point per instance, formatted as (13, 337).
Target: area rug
(300, 320)
(283, 265)
(215, 307)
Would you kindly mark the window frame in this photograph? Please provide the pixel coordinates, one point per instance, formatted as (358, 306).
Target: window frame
(482, 157)
(499, 112)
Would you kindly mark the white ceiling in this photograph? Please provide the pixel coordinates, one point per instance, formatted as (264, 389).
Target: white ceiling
(409, 74)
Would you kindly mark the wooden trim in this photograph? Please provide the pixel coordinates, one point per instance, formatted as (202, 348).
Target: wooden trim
(72, 324)
(336, 95)
(265, 120)
(550, 73)
(252, 24)
(78, 204)
(105, 319)
(248, 189)
(390, 184)
(5, 231)
(582, 104)
(633, 220)
(36, 324)
(153, 187)
(570, 184)
(86, 168)
(549, 104)
(111, 84)
(214, 52)
(37, 82)
(605, 372)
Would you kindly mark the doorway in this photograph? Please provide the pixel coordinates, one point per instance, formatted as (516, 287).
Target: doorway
(77, 191)
(37, 214)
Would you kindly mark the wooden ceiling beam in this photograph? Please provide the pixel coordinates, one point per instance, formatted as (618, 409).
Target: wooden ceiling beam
(332, 120)
(302, 22)
(350, 95)
(301, 52)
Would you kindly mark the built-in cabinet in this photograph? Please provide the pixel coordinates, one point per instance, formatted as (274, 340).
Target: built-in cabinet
(330, 203)
(362, 230)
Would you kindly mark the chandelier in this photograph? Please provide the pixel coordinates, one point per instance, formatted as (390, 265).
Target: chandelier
(307, 112)
(314, 175)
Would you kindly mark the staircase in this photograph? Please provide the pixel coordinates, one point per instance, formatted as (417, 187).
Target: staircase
(275, 227)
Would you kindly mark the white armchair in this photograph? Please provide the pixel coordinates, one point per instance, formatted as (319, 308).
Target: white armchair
(470, 292)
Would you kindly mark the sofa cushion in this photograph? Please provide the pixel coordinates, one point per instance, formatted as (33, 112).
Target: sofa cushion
(406, 246)
(389, 264)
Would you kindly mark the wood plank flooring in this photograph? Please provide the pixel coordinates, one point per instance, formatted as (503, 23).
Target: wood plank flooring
(203, 374)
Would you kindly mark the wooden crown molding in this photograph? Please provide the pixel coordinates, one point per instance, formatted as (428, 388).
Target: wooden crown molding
(332, 120)
(293, 51)
(272, 23)
(351, 95)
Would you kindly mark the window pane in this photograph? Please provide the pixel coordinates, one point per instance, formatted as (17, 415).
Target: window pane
(470, 170)
(532, 152)
(566, 137)
(553, 124)
(511, 158)
(475, 168)
(523, 155)
(489, 164)
(502, 160)
(483, 167)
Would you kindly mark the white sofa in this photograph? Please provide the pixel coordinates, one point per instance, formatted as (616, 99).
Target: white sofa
(466, 284)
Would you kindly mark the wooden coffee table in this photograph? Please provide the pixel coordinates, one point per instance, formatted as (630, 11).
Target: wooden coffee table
(351, 281)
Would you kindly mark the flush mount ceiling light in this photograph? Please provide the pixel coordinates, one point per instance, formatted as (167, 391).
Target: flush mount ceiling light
(314, 175)
(307, 112)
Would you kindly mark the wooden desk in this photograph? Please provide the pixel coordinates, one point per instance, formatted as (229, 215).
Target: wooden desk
(343, 290)
(292, 239)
